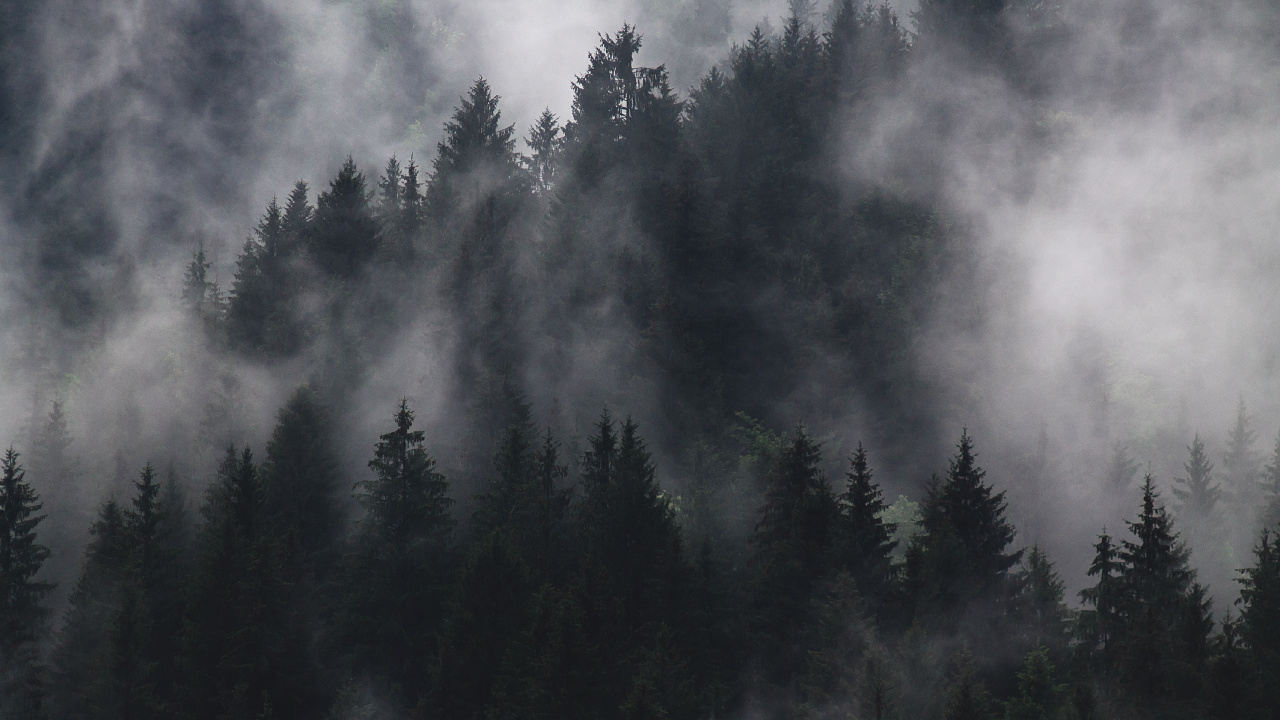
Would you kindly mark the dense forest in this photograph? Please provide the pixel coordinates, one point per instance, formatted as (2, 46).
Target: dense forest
(637, 496)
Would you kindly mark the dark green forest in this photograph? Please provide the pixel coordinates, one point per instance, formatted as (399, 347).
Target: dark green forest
(533, 560)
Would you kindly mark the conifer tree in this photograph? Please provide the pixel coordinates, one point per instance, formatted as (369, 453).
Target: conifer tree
(345, 233)
(1039, 697)
(23, 615)
(81, 672)
(962, 554)
(1260, 621)
(476, 147)
(1121, 469)
(1197, 492)
(867, 540)
(1101, 625)
(1163, 611)
(411, 204)
(1269, 515)
(1240, 463)
(966, 699)
(298, 214)
(300, 477)
(544, 141)
(396, 574)
(1042, 601)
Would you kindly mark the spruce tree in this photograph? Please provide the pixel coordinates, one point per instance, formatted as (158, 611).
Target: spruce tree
(1120, 470)
(300, 478)
(81, 667)
(1260, 622)
(396, 574)
(544, 142)
(961, 555)
(1197, 492)
(1240, 463)
(1041, 603)
(1269, 515)
(1163, 612)
(345, 232)
(867, 542)
(1101, 624)
(23, 616)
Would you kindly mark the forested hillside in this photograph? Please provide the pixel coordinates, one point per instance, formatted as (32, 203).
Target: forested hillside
(650, 362)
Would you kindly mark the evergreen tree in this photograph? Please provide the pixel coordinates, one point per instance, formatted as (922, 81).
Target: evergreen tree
(82, 683)
(961, 555)
(345, 232)
(1163, 612)
(23, 615)
(1240, 463)
(966, 699)
(792, 551)
(300, 477)
(1197, 492)
(544, 141)
(1042, 601)
(1039, 697)
(396, 574)
(1260, 623)
(1228, 693)
(476, 149)
(201, 296)
(867, 540)
(1101, 625)
(1269, 516)
(1121, 469)
(298, 215)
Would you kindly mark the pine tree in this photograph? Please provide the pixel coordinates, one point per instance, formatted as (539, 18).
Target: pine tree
(476, 149)
(81, 678)
(1121, 470)
(1101, 625)
(1039, 697)
(346, 233)
(1269, 517)
(544, 141)
(1228, 693)
(967, 699)
(1240, 463)
(867, 540)
(792, 552)
(961, 554)
(1260, 622)
(300, 478)
(396, 574)
(1197, 492)
(1163, 612)
(1042, 601)
(23, 616)
(298, 215)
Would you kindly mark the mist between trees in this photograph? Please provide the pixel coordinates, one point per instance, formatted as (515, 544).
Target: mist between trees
(582, 424)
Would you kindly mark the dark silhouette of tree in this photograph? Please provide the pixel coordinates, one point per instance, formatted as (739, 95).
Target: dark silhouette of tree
(1197, 493)
(397, 572)
(867, 542)
(1260, 623)
(23, 615)
(345, 232)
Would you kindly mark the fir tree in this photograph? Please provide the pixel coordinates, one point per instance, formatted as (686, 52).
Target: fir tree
(1240, 463)
(1260, 622)
(300, 478)
(1197, 492)
(23, 615)
(867, 540)
(544, 141)
(1101, 625)
(1039, 697)
(961, 554)
(345, 233)
(395, 582)
(1041, 602)
(966, 699)
(1121, 469)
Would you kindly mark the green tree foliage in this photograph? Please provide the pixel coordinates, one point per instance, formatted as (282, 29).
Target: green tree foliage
(967, 699)
(1039, 697)
(1100, 625)
(23, 615)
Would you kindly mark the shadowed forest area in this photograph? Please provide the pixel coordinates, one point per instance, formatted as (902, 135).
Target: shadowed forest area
(671, 340)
